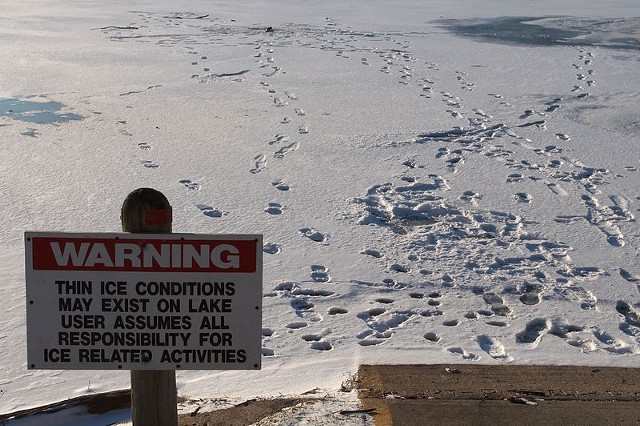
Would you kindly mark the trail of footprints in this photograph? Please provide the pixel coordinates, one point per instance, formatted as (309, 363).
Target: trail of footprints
(408, 208)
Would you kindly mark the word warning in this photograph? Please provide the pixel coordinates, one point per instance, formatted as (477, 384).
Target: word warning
(143, 301)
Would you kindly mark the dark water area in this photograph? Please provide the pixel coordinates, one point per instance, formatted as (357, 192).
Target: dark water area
(622, 33)
(35, 112)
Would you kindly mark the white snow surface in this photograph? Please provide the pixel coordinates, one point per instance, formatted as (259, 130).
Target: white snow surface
(425, 196)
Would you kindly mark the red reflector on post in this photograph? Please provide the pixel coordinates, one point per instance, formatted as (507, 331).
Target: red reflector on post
(157, 217)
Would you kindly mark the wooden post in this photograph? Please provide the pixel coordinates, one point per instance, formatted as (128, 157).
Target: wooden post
(154, 399)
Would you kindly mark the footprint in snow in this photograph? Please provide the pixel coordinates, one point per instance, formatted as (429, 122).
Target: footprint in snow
(279, 102)
(280, 185)
(381, 323)
(314, 235)
(497, 304)
(337, 311)
(371, 341)
(629, 276)
(260, 163)
(282, 152)
(493, 347)
(274, 208)
(630, 315)
(321, 345)
(522, 197)
(372, 253)
(149, 164)
(320, 274)
(296, 325)
(515, 177)
(556, 189)
(464, 354)
(279, 138)
(533, 332)
(271, 248)
(210, 211)
(613, 344)
(578, 294)
(301, 304)
(567, 333)
(531, 294)
(190, 185)
(432, 337)
(471, 197)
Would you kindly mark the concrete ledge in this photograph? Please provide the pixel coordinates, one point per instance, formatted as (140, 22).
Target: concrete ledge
(500, 394)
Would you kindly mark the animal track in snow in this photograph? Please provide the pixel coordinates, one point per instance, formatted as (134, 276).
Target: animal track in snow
(260, 164)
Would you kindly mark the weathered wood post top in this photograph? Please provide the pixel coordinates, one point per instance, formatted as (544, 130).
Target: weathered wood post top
(154, 399)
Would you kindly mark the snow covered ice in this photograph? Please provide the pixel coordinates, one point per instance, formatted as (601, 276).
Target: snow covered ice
(435, 182)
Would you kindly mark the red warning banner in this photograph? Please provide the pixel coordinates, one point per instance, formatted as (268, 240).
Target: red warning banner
(144, 255)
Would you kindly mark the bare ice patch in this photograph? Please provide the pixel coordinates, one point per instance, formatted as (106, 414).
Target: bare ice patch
(35, 110)
(622, 33)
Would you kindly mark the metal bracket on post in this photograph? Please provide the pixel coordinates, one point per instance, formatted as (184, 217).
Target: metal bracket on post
(154, 399)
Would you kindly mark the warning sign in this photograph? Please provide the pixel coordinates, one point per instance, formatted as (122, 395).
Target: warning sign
(143, 301)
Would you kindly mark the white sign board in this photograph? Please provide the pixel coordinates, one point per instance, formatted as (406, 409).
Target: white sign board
(143, 301)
